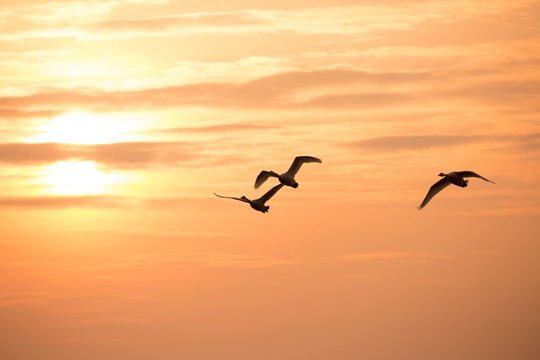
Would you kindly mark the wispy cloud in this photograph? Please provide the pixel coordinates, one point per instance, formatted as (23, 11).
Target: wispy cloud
(13, 298)
(392, 255)
(509, 92)
(47, 202)
(112, 201)
(145, 232)
(291, 89)
(355, 101)
(431, 283)
(505, 211)
(14, 114)
(210, 21)
(112, 320)
(208, 260)
(73, 11)
(222, 128)
(341, 20)
(244, 69)
(412, 142)
(124, 155)
(529, 141)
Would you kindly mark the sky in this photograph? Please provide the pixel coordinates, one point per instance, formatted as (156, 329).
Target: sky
(119, 119)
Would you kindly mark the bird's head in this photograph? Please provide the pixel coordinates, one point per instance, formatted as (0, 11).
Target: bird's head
(442, 174)
(265, 209)
(295, 185)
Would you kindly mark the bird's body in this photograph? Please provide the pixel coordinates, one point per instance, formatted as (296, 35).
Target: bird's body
(455, 177)
(257, 204)
(287, 178)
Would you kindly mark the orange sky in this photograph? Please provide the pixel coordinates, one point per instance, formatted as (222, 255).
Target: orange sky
(120, 118)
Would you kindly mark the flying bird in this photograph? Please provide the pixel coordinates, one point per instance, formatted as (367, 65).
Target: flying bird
(455, 177)
(286, 178)
(257, 204)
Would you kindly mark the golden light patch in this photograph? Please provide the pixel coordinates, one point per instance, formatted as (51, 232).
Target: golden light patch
(77, 178)
(84, 128)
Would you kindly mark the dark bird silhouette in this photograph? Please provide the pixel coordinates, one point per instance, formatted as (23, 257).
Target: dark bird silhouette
(456, 178)
(287, 178)
(257, 204)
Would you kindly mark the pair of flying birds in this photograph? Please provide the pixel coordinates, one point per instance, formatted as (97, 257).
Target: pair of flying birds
(285, 179)
(455, 177)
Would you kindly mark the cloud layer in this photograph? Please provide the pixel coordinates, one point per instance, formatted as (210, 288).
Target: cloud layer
(130, 154)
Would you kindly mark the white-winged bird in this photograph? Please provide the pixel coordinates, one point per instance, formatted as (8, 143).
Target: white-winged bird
(257, 204)
(455, 177)
(287, 178)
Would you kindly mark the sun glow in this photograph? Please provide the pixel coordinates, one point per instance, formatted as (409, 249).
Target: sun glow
(84, 128)
(77, 178)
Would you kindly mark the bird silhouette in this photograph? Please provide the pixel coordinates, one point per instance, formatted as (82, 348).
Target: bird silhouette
(455, 177)
(287, 178)
(257, 204)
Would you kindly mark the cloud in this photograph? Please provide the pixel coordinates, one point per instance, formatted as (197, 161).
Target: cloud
(135, 154)
(54, 11)
(47, 202)
(71, 19)
(157, 232)
(278, 90)
(10, 298)
(221, 128)
(517, 93)
(484, 252)
(48, 56)
(73, 11)
(530, 142)
(207, 260)
(14, 114)
(125, 155)
(18, 153)
(112, 320)
(524, 144)
(412, 142)
(113, 201)
(365, 100)
(333, 77)
(389, 255)
(506, 211)
(431, 283)
(209, 20)
(243, 69)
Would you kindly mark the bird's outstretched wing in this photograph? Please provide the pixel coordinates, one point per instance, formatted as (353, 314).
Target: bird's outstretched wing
(230, 197)
(263, 176)
(473, 174)
(270, 193)
(434, 190)
(298, 161)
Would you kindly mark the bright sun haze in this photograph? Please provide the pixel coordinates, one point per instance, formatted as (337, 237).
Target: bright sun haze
(82, 128)
(120, 119)
(75, 178)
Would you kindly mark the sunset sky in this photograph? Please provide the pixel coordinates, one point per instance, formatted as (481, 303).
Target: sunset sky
(119, 119)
